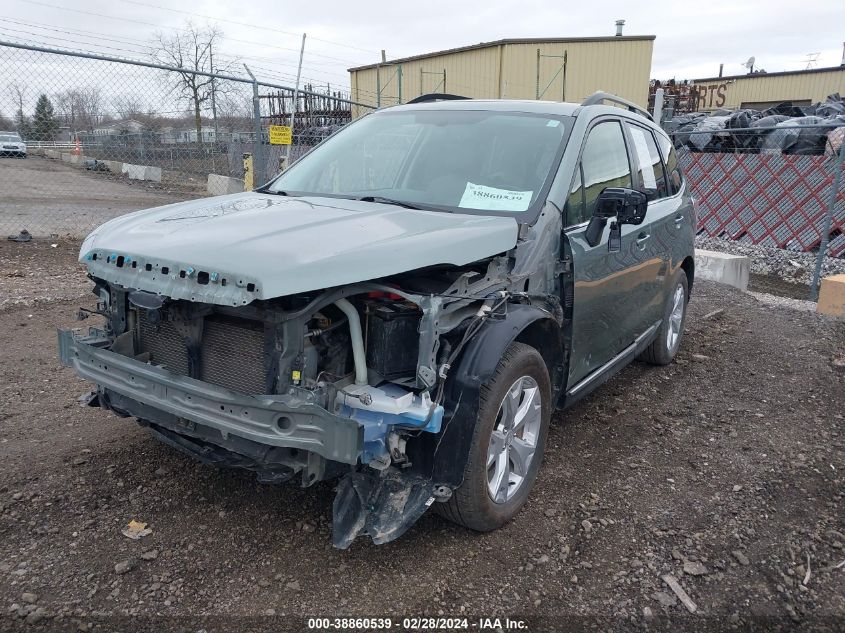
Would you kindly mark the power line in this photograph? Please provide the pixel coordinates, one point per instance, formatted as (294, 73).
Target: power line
(145, 47)
(345, 62)
(343, 87)
(252, 26)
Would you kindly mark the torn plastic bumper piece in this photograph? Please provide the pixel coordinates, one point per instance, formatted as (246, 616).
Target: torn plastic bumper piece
(381, 505)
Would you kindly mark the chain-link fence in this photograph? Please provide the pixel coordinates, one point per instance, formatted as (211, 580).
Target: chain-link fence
(774, 185)
(103, 136)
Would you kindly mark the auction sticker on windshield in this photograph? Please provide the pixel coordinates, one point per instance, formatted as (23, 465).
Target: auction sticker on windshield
(492, 199)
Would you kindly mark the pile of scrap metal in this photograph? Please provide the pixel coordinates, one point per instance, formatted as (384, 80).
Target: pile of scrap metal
(783, 129)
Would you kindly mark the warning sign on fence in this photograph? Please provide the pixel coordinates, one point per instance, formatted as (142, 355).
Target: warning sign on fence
(280, 135)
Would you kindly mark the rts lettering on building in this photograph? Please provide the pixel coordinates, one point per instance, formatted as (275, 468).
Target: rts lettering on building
(712, 96)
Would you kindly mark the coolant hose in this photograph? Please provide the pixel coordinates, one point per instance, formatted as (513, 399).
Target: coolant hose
(355, 333)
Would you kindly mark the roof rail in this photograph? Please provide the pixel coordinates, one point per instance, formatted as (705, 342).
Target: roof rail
(436, 96)
(600, 97)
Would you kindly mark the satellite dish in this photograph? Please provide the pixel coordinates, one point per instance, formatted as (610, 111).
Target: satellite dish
(750, 63)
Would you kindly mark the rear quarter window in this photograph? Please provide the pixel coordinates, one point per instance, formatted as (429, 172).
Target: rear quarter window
(673, 170)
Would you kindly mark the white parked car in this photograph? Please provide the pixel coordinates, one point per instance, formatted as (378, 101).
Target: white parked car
(11, 144)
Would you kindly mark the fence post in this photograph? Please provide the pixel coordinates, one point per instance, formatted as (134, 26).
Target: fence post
(828, 222)
(249, 172)
(657, 113)
(257, 149)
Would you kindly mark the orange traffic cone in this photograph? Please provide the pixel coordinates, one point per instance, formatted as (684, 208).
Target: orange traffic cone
(77, 150)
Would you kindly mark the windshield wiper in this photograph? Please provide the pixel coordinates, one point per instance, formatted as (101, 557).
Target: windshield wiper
(383, 200)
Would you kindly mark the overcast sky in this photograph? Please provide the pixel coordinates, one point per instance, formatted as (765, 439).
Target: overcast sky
(692, 38)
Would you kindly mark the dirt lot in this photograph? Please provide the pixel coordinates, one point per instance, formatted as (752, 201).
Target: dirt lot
(48, 197)
(726, 470)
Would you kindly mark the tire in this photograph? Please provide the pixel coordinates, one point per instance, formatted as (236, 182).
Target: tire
(661, 351)
(520, 371)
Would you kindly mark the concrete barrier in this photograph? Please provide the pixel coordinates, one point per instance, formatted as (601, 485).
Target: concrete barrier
(114, 166)
(143, 172)
(832, 296)
(52, 153)
(73, 160)
(221, 185)
(727, 269)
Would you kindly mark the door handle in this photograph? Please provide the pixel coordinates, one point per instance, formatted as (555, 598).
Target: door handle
(679, 219)
(642, 238)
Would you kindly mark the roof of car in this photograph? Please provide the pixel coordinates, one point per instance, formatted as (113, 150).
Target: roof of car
(499, 105)
(552, 108)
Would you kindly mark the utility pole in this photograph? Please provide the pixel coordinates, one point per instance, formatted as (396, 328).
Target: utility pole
(295, 99)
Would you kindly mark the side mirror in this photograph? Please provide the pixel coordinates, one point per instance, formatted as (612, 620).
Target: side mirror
(623, 206)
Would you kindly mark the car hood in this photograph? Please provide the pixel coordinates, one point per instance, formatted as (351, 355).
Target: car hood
(237, 248)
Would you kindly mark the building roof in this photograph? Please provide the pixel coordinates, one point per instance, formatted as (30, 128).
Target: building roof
(783, 73)
(540, 40)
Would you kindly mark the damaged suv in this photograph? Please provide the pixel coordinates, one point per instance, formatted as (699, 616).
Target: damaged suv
(403, 309)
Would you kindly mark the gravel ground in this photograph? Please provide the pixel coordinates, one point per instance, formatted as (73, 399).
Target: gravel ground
(725, 470)
(40, 272)
(48, 197)
(790, 266)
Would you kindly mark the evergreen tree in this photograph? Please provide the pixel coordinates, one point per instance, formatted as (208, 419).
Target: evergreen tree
(44, 124)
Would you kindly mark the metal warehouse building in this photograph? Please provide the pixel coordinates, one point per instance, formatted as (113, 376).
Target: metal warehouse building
(762, 90)
(555, 69)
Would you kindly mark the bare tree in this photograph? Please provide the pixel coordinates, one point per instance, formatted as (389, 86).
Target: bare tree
(19, 95)
(129, 106)
(234, 111)
(80, 108)
(68, 106)
(191, 49)
(92, 98)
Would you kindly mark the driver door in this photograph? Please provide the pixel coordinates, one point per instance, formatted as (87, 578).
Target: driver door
(612, 291)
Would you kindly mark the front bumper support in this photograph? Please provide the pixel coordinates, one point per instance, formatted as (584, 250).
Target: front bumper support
(284, 420)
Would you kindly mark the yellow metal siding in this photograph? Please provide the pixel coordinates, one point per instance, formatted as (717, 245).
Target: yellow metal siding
(622, 68)
(814, 86)
(509, 71)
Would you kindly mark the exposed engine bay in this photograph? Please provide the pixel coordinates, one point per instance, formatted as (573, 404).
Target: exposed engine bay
(347, 382)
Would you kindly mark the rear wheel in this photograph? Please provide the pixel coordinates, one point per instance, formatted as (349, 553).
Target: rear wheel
(508, 444)
(665, 345)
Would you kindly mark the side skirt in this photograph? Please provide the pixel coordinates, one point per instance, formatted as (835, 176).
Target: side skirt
(601, 375)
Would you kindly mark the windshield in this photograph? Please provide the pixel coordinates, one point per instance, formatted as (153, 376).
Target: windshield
(10, 138)
(468, 161)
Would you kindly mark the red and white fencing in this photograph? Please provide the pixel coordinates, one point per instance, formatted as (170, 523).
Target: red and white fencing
(771, 199)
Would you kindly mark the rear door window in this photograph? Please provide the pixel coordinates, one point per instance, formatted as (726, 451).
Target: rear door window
(652, 180)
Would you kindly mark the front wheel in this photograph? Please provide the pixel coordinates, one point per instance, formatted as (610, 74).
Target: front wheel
(508, 442)
(666, 343)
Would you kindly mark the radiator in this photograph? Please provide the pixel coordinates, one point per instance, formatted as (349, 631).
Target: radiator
(231, 352)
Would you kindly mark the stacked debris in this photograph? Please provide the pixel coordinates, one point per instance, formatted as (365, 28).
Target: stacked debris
(783, 129)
